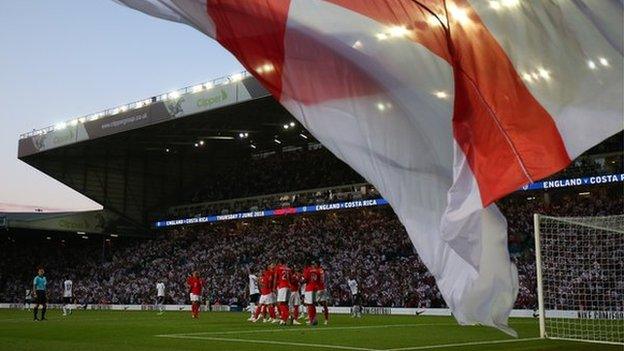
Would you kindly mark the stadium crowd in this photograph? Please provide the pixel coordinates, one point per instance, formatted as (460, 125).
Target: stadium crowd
(274, 173)
(290, 176)
(361, 191)
(368, 243)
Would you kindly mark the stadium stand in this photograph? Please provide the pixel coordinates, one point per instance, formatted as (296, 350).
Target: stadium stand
(184, 157)
(370, 242)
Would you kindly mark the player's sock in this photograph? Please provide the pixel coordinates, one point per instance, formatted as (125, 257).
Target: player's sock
(43, 311)
(296, 312)
(271, 312)
(264, 311)
(257, 313)
(252, 309)
(36, 311)
(326, 312)
(303, 310)
(311, 313)
(284, 311)
(278, 310)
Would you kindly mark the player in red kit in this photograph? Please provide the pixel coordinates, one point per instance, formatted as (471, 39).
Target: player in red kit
(311, 278)
(322, 296)
(295, 296)
(195, 285)
(282, 283)
(267, 298)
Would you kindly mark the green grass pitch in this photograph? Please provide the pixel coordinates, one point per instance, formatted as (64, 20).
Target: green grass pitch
(120, 331)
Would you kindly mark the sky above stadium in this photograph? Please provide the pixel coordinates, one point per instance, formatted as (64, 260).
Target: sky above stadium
(67, 58)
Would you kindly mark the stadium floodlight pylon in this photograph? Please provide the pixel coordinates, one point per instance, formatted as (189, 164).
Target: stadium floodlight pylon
(580, 279)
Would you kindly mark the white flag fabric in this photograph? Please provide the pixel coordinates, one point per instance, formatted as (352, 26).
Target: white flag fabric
(444, 105)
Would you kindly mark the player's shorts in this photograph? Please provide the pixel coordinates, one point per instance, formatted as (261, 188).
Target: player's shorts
(322, 296)
(356, 299)
(41, 297)
(267, 299)
(283, 294)
(254, 298)
(295, 299)
(160, 300)
(309, 297)
(66, 300)
(195, 298)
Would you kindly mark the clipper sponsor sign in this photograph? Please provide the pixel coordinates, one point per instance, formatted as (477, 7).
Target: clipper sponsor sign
(87, 221)
(206, 100)
(68, 135)
(156, 112)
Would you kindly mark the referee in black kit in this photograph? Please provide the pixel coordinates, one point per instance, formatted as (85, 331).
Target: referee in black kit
(40, 290)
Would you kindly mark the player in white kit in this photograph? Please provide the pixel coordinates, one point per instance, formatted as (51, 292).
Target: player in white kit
(160, 297)
(303, 311)
(254, 295)
(356, 298)
(68, 287)
(27, 299)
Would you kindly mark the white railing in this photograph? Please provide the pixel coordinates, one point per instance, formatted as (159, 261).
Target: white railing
(141, 103)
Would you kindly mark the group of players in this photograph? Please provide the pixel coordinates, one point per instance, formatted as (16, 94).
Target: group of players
(276, 295)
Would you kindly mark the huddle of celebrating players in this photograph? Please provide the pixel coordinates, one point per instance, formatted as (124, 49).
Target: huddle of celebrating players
(279, 294)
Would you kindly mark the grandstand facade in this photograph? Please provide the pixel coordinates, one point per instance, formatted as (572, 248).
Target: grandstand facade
(139, 158)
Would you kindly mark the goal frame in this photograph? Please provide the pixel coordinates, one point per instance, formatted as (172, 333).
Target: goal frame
(540, 287)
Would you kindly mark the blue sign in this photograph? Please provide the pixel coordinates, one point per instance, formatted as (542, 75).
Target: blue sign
(548, 184)
(563, 183)
(275, 212)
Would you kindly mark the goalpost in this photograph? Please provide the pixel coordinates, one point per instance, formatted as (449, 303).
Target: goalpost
(580, 277)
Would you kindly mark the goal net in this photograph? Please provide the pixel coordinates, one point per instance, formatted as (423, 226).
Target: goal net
(580, 277)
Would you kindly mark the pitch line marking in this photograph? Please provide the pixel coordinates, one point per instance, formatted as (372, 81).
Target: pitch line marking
(338, 347)
(325, 346)
(473, 343)
(295, 329)
(203, 336)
